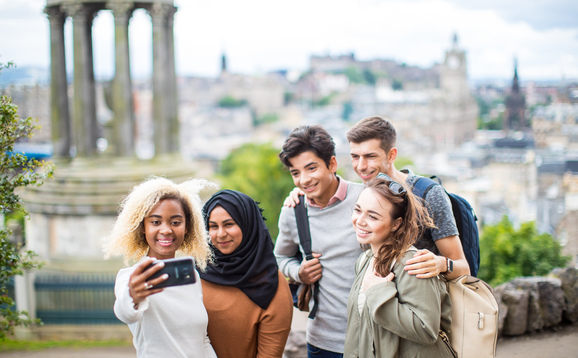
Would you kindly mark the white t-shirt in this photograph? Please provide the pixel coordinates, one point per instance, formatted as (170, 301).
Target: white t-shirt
(172, 323)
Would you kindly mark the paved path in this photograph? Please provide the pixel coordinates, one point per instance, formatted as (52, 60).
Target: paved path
(561, 344)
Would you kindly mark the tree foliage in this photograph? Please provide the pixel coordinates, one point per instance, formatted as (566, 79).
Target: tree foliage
(354, 74)
(255, 169)
(396, 84)
(231, 102)
(365, 76)
(16, 171)
(266, 118)
(507, 253)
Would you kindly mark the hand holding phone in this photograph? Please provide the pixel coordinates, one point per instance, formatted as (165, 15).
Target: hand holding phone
(180, 271)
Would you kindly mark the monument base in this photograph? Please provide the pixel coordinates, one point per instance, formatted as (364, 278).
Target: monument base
(72, 213)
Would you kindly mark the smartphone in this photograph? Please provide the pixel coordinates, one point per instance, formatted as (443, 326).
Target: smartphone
(181, 271)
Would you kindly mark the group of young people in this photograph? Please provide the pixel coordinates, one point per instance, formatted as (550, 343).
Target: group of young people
(379, 292)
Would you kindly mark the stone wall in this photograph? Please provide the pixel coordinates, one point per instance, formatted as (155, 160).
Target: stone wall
(530, 304)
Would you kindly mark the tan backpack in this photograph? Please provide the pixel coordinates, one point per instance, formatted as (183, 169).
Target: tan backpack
(474, 329)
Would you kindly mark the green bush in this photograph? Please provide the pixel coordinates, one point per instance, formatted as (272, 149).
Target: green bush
(255, 169)
(507, 253)
(231, 102)
(16, 170)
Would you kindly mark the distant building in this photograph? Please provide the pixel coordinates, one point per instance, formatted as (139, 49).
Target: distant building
(515, 116)
(223, 63)
(32, 101)
(329, 63)
(437, 116)
(556, 126)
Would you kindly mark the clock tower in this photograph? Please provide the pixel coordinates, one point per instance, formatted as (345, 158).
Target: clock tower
(453, 72)
(457, 110)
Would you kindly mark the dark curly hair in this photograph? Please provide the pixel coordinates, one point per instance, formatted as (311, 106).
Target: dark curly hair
(308, 139)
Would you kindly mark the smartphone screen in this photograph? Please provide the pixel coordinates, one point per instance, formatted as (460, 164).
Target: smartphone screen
(181, 271)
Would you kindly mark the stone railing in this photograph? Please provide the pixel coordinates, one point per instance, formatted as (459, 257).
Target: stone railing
(530, 304)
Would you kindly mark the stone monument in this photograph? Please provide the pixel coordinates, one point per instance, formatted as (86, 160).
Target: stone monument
(72, 213)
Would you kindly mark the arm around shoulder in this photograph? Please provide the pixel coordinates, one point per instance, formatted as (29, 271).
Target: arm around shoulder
(451, 247)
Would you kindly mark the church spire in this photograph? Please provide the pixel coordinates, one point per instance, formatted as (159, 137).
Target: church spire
(455, 45)
(515, 84)
(223, 63)
(515, 118)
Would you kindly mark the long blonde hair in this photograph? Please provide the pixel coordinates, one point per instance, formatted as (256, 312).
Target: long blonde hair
(127, 235)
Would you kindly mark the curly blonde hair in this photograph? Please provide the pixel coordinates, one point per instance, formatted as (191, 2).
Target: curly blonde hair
(127, 235)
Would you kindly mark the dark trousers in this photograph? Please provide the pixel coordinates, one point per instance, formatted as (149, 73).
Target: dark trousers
(316, 352)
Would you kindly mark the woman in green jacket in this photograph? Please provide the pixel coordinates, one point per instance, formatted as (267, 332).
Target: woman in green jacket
(391, 313)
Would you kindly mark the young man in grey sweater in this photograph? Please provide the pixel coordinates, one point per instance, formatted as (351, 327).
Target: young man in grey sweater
(309, 154)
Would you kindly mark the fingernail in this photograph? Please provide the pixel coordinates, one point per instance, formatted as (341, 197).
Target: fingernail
(165, 276)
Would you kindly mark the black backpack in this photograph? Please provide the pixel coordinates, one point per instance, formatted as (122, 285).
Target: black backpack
(465, 221)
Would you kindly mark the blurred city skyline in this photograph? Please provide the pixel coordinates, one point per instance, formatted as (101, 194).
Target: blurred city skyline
(260, 36)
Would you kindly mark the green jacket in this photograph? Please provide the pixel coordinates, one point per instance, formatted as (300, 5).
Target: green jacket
(401, 318)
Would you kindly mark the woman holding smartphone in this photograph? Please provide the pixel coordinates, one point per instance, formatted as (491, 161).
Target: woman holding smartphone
(247, 298)
(157, 219)
(392, 313)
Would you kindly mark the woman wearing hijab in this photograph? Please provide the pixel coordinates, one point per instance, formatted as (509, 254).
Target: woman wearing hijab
(247, 298)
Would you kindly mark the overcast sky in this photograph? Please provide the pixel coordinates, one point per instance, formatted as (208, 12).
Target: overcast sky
(264, 35)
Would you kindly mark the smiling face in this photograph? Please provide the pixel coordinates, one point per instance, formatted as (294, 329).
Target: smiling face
(165, 229)
(225, 234)
(311, 174)
(372, 219)
(368, 159)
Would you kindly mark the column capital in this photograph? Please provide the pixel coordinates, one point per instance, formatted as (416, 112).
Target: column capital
(121, 9)
(78, 11)
(159, 12)
(171, 14)
(55, 15)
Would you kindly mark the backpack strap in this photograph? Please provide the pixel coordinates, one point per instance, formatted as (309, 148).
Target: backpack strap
(305, 241)
(303, 228)
(420, 189)
(422, 186)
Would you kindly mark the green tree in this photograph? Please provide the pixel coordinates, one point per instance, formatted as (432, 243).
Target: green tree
(347, 110)
(397, 85)
(403, 162)
(325, 101)
(16, 171)
(255, 169)
(369, 76)
(231, 102)
(266, 118)
(507, 253)
(354, 74)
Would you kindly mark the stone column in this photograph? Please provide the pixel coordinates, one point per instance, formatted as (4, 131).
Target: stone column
(173, 99)
(124, 118)
(25, 293)
(60, 114)
(84, 104)
(158, 14)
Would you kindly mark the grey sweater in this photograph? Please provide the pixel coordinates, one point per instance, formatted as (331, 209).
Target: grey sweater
(332, 236)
